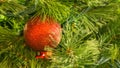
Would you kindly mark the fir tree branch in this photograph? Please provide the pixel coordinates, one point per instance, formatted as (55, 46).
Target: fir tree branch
(51, 9)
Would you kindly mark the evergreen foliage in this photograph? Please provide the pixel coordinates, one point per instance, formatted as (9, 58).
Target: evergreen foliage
(90, 38)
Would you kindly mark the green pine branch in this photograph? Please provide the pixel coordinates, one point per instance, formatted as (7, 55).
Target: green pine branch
(51, 8)
(90, 37)
(11, 8)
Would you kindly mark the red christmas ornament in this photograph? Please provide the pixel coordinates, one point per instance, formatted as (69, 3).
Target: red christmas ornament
(39, 34)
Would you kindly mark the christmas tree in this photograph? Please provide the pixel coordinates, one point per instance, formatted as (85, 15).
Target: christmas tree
(87, 33)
